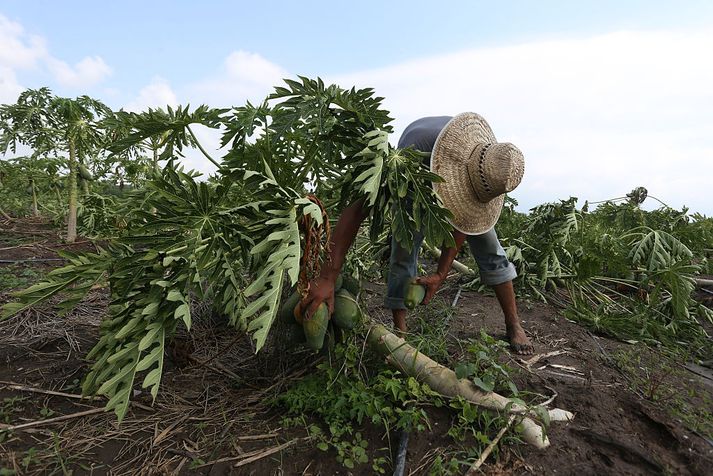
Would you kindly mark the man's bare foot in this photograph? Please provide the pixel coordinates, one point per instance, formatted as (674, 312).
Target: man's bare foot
(400, 321)
(519, 342)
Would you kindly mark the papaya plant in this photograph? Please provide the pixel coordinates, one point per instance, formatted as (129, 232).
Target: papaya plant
(261, 224)
(52, 125)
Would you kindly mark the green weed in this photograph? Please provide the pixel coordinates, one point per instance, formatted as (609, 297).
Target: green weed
(345, 397)
(654, 378)
(17, 276)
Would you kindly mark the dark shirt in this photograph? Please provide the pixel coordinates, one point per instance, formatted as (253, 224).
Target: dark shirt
(422, 133)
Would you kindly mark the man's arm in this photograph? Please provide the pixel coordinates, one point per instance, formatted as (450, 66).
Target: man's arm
(321, 289)
(434, 281)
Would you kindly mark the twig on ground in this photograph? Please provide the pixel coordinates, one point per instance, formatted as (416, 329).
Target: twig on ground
(257, 437)
(533, 360)
(551, 399)
(269, 452)
(32, 260)
(36, 423)
(215, 367)
(25, 388)
(168, 430)
(484, 455)
(455, 299)
(27, 245)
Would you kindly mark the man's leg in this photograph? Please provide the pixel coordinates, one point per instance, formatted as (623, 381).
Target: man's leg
(498, 272)
(519, 342)
(402, 267)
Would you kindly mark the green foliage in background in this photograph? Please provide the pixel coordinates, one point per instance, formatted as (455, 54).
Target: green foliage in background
(626, 271)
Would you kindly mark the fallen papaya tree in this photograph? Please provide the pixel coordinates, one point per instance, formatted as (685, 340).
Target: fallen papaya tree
(406, 358)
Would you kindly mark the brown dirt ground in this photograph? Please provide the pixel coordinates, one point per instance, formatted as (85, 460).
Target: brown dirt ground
(211, 412)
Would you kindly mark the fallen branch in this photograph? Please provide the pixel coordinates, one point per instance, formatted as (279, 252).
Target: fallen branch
(269, 452)
(75, 396)
(257, 437)
(444, 381)
(533, 360)
(700, 282)
(484, 455)
(36, 423)
(25, 388)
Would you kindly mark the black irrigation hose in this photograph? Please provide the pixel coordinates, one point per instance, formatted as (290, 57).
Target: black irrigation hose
(401, 454)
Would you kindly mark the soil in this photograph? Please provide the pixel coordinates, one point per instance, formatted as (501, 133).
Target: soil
(213, 408)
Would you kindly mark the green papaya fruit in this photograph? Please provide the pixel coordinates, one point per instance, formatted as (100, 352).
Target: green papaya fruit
(85, 173)
(339, 282)
(347, 314)
(316, 327)
(288, 307)
(351, 284)
(414, 295)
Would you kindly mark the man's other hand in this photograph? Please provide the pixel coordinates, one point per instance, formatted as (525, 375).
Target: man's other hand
(431, 282)
(321, 290)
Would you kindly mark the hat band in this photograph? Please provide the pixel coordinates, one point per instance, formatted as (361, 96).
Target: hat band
(481, 167)
(484, 185)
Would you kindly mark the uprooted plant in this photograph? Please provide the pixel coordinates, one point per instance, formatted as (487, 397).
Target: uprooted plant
(184, 238)
(626, 271)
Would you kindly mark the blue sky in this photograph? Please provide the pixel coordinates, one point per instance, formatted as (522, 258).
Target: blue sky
(601, 96)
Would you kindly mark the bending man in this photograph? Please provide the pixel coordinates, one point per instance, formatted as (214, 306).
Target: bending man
(477, 172)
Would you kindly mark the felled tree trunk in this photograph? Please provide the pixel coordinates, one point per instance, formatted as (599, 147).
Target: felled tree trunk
(457, 265)
(443, 380)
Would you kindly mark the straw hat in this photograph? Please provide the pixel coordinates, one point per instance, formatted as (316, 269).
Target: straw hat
(477, 172)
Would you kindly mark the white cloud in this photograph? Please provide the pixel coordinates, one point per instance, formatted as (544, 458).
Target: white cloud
(156, 94)
(244, 76)
(90, 70)
(21, 51)
(10, 89)
(18, 49)
(594, 117)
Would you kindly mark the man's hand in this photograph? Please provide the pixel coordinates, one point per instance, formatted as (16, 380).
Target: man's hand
(432, 282)
(321, 290)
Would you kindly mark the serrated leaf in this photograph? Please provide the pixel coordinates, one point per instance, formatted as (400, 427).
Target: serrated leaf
(183, 312)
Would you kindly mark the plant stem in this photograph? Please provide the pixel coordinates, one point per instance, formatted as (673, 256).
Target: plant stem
(200, 147)
(5, 215)
(35, 211)
(72, 184)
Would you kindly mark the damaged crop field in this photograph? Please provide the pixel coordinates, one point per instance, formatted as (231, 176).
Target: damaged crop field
(150, 320)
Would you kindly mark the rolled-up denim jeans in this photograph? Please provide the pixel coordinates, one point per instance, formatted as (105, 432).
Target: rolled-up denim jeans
(490, 256)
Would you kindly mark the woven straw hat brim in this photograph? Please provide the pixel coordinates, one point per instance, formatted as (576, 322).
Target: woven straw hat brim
(449, 158)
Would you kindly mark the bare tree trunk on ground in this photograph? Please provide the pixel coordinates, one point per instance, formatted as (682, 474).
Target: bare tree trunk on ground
(443, 380)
